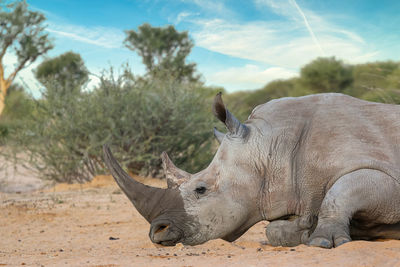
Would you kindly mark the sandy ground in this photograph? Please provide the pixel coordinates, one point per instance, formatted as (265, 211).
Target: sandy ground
(95, 225)
(16, 178)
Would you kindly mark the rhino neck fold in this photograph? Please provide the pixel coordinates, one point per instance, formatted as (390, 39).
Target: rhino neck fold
(242, 229)
(278, 170)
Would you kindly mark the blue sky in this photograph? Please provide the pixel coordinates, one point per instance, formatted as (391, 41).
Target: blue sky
(239, 45)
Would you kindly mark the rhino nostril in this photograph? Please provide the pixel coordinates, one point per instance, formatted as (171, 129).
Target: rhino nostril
(160, 228)
(165, 233)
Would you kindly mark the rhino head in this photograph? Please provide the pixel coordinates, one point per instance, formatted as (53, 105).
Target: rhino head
(221, 201)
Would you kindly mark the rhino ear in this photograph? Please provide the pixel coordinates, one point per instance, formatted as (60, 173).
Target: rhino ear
(218, 135)
(234, 126)
(175, 176)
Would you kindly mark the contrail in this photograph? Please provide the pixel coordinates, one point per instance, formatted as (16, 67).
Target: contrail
(309, 27)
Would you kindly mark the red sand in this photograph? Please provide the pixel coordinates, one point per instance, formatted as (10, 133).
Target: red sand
(72, 226)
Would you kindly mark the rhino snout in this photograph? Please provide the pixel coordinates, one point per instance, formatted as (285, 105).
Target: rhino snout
(165, 233)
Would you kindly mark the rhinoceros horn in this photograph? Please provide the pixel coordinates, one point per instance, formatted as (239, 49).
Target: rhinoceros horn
(149, 201)
(175, 177)
(234, 126)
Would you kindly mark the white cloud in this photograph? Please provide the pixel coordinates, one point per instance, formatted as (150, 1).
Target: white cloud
(286, 43)
(105, 37)
(283, 8)
(366, 57)
(249, 76)
(181, 16)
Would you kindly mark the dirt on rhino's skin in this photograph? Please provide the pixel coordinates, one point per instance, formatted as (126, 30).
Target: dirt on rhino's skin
(96, 225)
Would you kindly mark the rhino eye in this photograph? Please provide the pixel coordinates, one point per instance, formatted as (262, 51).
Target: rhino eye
(200, 190)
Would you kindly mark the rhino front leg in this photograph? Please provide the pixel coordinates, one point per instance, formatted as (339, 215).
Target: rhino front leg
(290, 233)
(367, 195)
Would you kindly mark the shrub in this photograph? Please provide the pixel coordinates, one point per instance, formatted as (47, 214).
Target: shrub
(140, 118)
(324, 75)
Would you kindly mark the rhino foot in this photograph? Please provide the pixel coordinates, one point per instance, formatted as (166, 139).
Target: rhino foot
(329, 236)
(325, 243)
(320, 242)
(366, 194)
(290, 233)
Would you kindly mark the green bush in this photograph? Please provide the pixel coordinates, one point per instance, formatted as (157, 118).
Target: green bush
(324, 75)
(378, 81)
(3, 131)
(140, 118)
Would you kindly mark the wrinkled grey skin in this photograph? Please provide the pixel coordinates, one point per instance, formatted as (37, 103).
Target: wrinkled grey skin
(323, 169)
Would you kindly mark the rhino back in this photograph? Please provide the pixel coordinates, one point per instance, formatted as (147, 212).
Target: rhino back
(327, 136)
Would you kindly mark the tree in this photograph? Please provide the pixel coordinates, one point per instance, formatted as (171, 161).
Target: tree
(22, 32)
(326, 75)
(163, 50)
(68, 70)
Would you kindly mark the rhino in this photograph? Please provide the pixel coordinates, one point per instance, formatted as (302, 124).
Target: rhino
(323, 169)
